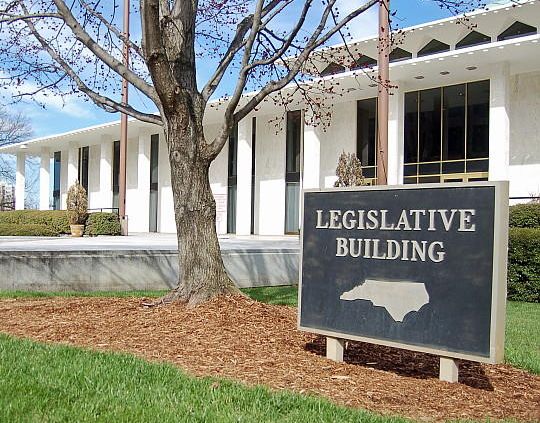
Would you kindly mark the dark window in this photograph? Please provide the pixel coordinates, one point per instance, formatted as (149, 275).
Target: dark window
(446, 131)
(473, 38)
(366, 135)
(332, 69)
(292, 171)
(453, 135)
(411, 128)
(478, 120)
(116, 173)
(154, 180)
(232, 181)
(364, 62)
(398, 54)
(57, 165)
(253, 143)
(517, 29)
(434, 46)
(294, 135)
(429, 143)
(83, 167)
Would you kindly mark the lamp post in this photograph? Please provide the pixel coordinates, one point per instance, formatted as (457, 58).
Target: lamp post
(383, 64)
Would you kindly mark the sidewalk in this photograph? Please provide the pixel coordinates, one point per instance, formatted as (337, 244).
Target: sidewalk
(142, 241)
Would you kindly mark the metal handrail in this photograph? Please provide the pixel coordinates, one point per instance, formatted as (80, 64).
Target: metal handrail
(102, 209)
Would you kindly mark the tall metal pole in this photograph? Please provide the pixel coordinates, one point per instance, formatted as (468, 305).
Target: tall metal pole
(124, 129)
(383, 63)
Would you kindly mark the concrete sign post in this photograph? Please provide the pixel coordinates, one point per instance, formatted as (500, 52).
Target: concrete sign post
(420, 267)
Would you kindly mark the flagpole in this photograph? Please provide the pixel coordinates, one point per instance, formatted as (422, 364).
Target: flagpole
(124, 129)
(383, 63)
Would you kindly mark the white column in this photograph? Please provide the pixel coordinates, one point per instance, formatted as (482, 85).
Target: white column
(499, 124)
(20, 181)
(73, 166)
(44, 179)
(243, 179)
(395, 135)
(105, 172)
(312, 157)
(139, 218)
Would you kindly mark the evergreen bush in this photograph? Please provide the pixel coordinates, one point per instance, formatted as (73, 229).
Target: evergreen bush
(27, 229)
(349, 171)
(77, 204)
(525, 215)
(524, 264)
(102, 224)
(56, 220)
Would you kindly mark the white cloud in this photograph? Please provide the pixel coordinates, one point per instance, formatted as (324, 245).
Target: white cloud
(70, 105)
(364, 25)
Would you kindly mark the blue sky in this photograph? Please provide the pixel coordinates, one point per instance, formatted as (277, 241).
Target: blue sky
(73, 113)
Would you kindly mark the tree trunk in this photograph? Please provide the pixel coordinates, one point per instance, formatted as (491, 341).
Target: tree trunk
(202, 273)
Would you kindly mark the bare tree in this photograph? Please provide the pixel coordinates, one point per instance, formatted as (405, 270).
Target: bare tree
(63, 47)
(14, 128)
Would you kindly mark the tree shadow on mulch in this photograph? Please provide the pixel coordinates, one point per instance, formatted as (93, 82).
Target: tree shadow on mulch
(403, 362)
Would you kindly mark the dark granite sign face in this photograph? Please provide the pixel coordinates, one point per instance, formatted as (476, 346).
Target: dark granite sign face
(422, 268)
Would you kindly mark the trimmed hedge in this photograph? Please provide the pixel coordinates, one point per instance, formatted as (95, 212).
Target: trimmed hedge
(54, 223)
(26, 229)
(524, 264)
(102, 224)
(525, 215)
(56, 220)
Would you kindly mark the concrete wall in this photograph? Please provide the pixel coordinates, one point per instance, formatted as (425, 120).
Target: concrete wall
(218, 179)
(269, 178)
(134, 269)
(340, 136)
(93, 176)
(524, 172)
(166, 221)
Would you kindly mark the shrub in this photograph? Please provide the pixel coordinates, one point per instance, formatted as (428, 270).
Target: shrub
(56, 220)
(349, 171)
(102, 224)
(26, 229)
(525, 215)
(524, 264)
(77, 204)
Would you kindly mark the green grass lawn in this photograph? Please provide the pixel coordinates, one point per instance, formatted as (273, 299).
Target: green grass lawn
(54, 383)
(522, 346)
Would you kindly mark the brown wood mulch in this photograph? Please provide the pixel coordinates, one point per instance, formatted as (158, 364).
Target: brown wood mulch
(257, 343)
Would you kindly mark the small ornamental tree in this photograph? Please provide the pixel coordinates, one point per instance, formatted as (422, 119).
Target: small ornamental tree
(349, 171)
(77, 204)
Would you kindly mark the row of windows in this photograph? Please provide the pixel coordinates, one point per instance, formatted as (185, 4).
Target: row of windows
(446, 138)
(446, 132)
(473, 38)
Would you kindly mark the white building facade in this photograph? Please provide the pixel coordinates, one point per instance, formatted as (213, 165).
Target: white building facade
(465, 107)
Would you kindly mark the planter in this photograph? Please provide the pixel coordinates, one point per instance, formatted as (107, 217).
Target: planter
(77, 230)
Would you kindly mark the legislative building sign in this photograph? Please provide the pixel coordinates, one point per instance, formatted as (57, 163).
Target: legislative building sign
(419, 267)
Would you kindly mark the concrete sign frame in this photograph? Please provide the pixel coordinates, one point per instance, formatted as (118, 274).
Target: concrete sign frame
(494, 353)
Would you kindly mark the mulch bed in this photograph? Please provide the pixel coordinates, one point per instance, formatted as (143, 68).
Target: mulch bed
(257, 343)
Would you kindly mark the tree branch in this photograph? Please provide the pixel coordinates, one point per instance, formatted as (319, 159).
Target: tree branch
(117, 66)
(104, 102)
